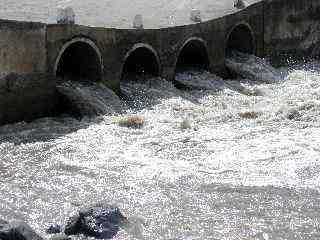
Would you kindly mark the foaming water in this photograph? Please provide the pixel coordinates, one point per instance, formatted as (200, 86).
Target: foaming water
(246, 167)
(252, 67)
(199, 80)
(90, 99)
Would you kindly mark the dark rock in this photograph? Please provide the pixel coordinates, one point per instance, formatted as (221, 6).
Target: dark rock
(73, 226)
(17, 231)
(53, 229)
(294, 115)
(99, 221)
(2, 223)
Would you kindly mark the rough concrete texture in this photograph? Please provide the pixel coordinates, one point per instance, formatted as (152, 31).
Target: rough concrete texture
(115, 44)
(292, 27)
(25, 90)
(26, 97)
(22, 47)
(17, 231)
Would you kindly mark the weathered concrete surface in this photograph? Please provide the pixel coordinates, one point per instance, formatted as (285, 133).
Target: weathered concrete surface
(101, 221)
(114, 44)
(28, 92)
(22, 47)
(26, 97)
(292, 27)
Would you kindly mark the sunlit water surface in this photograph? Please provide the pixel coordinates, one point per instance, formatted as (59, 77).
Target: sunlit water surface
(246, 166)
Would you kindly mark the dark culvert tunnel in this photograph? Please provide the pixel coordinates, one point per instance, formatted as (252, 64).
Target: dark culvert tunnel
(193, 60)
(193, 56)
(80, 62)
(78, 65)
(141, 63)
(239, 45)
(240, 39)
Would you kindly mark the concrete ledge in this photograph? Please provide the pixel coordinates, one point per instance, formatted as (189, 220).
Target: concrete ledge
(26, 97)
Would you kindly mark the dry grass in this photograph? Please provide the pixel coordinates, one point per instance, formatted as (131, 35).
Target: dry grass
(132, 122)
(183, 109)
(249, 115)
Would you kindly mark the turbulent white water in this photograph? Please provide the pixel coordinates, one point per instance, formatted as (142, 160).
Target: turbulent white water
(90, 99)
(199, 80)
(252, 67)
(246, 166)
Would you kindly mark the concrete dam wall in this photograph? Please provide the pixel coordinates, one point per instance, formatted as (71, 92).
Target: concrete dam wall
(34, 55)
(26, 90)
(291, 28)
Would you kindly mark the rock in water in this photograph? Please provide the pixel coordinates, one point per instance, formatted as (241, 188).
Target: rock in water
(2, 223)
(53, 229)
(99, 221)
(17, 231)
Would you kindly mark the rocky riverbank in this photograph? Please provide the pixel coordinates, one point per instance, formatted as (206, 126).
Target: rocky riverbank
(101, 221)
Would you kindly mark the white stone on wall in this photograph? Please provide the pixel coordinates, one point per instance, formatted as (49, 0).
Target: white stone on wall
(240, 4)
(138, 22)
(66, 16)
(195, 15)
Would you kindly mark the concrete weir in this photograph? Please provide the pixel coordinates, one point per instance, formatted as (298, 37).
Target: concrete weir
(34, 55)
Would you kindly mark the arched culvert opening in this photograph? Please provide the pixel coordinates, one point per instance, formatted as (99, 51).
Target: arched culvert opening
(240, 39)
(193, 55)
(79, 60)
(141, 62)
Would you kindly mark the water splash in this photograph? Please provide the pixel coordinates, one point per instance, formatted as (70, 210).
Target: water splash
(145, 93)
(194, 79)
(252, 67)
(90, 99)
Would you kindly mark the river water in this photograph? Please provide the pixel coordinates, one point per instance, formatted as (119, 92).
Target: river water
(232, 160)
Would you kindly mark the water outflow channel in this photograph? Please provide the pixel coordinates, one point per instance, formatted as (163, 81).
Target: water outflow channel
(230, 159)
